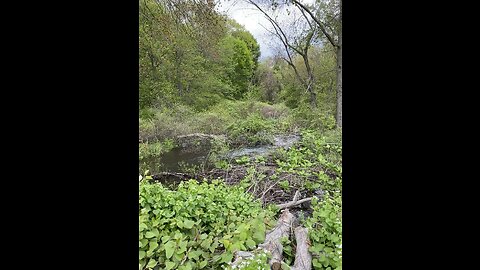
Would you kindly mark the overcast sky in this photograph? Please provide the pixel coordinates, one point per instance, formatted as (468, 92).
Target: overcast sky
(252, 19)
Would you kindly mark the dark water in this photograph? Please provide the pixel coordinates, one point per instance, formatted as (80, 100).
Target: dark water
(178, 158)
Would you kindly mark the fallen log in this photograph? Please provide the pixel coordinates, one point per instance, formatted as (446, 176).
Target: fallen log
(273, 242)
(303, 258)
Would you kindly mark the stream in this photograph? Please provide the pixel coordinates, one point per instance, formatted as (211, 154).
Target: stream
(176, 160)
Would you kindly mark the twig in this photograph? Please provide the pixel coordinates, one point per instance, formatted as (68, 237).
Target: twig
(265, 192)
(297, 194)
(185, 257)
(293, 203)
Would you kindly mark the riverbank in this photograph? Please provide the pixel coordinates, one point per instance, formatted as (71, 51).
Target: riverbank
(214, 192)
(306, 178)
(240, 128)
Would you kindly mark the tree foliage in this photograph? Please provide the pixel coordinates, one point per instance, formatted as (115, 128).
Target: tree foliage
(190, 54)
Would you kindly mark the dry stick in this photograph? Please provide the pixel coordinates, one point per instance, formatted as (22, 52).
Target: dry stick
(265, 192)
(228, 169)
(250, 187)
(185, 257)
(293, 203)
(296, 196)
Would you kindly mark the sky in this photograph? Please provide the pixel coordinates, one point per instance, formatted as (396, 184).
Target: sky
(252, 19)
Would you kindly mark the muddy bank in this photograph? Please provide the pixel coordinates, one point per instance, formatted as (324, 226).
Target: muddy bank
(264, 184)
(262, 179)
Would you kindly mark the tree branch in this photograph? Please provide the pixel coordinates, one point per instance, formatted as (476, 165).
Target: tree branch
(320, 25)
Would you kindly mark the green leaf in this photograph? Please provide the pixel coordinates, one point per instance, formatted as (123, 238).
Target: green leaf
(187, 266)
(151, 263)
(149, 235)
(259, 235)
(177, 235)
(250, 243)
(169, 265)
(165, 238)
(178, 257)
(317, 264)
(180, 224)
(182, 247)
(203, 264)
(141, 254)
(194, 254)
(285, 266)
(143, 226)
(155, 232)
(169, 249)
(188, 224)
(226, 243)
(153, 245)
(206, 243)
(226, 257)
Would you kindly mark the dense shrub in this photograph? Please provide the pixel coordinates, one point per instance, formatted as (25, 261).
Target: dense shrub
(197, 226)
(325, 230)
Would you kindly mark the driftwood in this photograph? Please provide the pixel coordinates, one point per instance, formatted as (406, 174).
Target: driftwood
(303, 258)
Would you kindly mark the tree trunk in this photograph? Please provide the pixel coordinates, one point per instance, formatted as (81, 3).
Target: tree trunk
(339, 75)
(310, 81)
(339, 87)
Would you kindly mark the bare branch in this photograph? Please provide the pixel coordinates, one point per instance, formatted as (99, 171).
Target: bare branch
(320, 25)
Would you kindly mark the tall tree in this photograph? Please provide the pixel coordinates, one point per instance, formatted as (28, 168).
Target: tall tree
(188, 54)
(241, 33)
(297, 41)
(327, 15)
